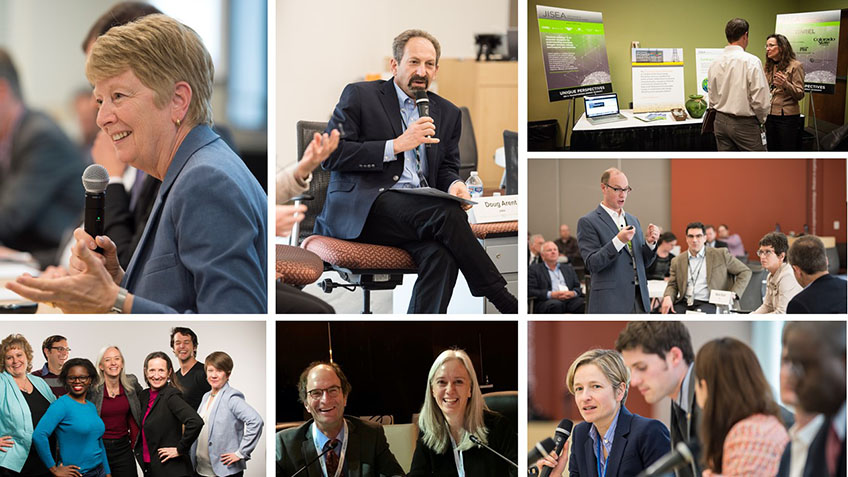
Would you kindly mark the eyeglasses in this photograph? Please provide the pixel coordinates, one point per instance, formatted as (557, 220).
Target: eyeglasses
(619, 190)
(78, 379)
(765, 253)
(61, 349)
(332, 391)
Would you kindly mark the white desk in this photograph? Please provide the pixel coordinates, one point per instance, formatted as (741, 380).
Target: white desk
(584, 125)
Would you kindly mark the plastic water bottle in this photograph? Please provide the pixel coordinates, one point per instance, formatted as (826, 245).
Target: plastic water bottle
(475, 185)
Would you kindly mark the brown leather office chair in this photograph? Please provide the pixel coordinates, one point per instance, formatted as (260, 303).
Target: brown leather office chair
(367, 266)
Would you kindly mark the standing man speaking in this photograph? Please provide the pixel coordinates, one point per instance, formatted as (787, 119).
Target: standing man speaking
(615, 252)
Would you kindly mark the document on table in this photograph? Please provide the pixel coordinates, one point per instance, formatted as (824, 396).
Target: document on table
(11, 270)
(431, 192)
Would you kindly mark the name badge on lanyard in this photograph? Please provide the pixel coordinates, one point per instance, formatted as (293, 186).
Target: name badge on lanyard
(323, 460)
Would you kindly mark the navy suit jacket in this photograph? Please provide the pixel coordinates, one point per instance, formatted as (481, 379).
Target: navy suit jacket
(816, 465)
(368, 113)
(638, 443)
(825, 295)
(539, 280)
(203, 248)
(612, 272)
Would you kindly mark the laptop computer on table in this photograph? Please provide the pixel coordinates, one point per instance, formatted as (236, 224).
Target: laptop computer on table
(602, 108)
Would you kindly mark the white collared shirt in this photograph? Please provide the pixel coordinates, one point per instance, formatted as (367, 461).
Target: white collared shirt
(737, 84)
(801, 440)
(618, 219)
(696, 285)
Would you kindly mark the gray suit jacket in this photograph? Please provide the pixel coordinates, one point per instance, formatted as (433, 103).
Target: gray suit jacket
(233, 425)
(368, 453)
(724, 272)
(612, 288)
(96, 396)
(41, 195)
(204, 247)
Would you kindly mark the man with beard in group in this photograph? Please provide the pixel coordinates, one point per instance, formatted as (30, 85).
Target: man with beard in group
(191, 373)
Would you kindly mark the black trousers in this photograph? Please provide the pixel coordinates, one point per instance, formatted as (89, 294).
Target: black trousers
(783, 133)
(436, 234)
(120, 455)
(293, 300)
(573, 305)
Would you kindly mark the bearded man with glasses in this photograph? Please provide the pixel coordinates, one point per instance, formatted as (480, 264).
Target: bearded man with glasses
(350, 446)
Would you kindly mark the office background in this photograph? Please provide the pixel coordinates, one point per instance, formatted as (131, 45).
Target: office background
(658, 24)
(749, 195)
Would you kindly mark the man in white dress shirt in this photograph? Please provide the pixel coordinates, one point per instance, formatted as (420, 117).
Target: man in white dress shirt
(739, 92)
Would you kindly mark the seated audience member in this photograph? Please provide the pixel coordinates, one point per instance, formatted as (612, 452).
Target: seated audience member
(41, 196)
(659, 270)
(741, 431)
(534, 248)
(816, 353)
(781, 285)
(323, 389)
(567, 245)
(822, 293)
(807, 423)
(555, 286)
(453, 412)
(733, 241)
(695, 273)
(599, 381)
(291, 181)
(203, 251)
(712, 239)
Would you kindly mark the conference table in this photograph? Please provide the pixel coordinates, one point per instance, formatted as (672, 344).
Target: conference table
(636, 135)
(8, 272)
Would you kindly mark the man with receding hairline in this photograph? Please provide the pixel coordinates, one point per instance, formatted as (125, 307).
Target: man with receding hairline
(615, 252)
(358, 447)
(822, 293)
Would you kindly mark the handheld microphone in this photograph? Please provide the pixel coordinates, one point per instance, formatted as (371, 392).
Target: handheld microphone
(94, 180)
(423, 103)
(332, 447)
(477, 441)
(563, 430)
(683, 454)
(540, 450)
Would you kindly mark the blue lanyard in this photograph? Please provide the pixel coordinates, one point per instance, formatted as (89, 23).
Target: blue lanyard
(600, 454)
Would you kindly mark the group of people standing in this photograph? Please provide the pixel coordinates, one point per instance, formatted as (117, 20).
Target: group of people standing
(92, 419)
(757, 109)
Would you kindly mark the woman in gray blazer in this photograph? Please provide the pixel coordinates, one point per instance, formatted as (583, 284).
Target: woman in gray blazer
(231, 427)
(116, 399)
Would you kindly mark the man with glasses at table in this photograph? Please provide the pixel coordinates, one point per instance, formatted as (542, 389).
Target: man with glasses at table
(55, 350)
(693, 275)
(352, 446)
(614, 251)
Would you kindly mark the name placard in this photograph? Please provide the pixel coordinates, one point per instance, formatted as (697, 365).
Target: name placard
(503, 208)
(721, 297)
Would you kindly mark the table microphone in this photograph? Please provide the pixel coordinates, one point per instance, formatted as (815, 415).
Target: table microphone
(683, 454)
(477, 441)
(423, 103)
(94, 180)
(563, 430)
(328, 449)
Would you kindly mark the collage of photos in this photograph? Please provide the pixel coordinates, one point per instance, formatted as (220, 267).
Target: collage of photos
(270, 237)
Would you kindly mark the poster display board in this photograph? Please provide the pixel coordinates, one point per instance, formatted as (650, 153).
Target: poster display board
(703, 59)
(814, 37)
(574, 52)
(657, 79)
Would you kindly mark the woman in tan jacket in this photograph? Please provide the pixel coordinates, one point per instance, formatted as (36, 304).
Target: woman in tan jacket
(785, 76)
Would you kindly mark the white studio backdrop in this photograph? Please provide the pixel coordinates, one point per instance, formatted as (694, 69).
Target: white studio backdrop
(244, 341)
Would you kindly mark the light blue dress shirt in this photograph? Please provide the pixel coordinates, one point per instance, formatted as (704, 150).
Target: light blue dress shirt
(409, 179)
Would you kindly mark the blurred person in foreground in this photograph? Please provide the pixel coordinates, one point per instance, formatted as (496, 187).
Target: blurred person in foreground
(822, 292)
(816, 353)
(742, 432)
(612, 441)
(41, 196)
(453, 411)
(201, 252)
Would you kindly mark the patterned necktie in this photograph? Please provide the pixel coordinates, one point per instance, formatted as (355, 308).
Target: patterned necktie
(332, 459)
(832, 448)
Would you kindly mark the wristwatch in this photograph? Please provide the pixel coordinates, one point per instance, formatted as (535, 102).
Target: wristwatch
(118, 307)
